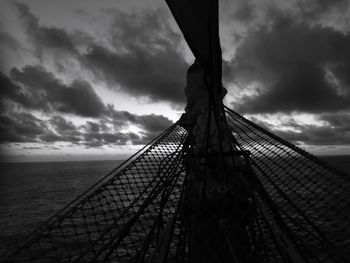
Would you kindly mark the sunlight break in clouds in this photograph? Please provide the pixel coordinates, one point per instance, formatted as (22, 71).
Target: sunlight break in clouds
(110, 75)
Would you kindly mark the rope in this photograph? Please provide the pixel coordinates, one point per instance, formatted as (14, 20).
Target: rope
(124, 216)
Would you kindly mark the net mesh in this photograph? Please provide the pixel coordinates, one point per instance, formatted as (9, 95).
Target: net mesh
(296, 209)
(312, 198)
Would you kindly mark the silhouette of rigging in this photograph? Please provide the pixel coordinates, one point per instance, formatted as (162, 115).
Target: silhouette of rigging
(214, 187)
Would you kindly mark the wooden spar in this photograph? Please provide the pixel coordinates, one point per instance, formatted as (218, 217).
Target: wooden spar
(198, 21)
(216, 69)
(192, 17)
(209, 192)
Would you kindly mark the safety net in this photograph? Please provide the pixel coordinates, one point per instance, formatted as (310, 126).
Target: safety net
(289, 207)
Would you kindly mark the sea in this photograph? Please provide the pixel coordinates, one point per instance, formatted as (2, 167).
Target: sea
(31, 192)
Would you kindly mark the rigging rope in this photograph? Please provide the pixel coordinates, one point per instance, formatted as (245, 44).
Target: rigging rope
(297, 208)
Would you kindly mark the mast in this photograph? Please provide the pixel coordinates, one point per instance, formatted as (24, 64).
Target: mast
(213, 180)
(198, 21)
(222, 186)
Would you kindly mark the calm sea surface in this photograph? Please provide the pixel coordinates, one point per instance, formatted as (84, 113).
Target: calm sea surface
(31, 192)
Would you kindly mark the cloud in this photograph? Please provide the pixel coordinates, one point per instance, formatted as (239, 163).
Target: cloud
(63, 130)
(330, 129)
(315, 8)
(339, 121)
(315, 135)
(153, 123)
(139, 54)
(117, 138)
(9, 42)
(252, 12)
(145, 62)
(51, 137)
(42, 91)
(93, 127)
(61, 125)
(292, 56)
(299, 68)
(44, 37)
(21, 127)
(150, 122)
(109, 129)
(10, 91)
(24, 127)
(45, 92)
(295, 54)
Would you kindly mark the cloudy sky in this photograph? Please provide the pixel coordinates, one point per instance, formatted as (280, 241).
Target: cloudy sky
(88, 79)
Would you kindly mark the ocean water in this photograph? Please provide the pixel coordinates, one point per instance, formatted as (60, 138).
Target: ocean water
(342, 162)
(31, 192)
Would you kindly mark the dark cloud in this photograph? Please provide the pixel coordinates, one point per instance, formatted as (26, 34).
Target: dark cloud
(63, 130)
(32, 148)
(97, 134)
(44, 37)
(51, 137)
(312, 9)
(93, 127)
(145, 61)
(240, 11)
(40, 90)
(8, 47)
(151, 124)
(298, 66)
(257, 13)
(115, 138)
(144, 75)
(294, 57)
(21, 127)
(7, 41)
(62, 125)
(334, 130)
(120, 119)
(316, 135)
(10, 91)
(339, 121)
(300, 69)
(90, 134)
(47, 93)
(24, 127)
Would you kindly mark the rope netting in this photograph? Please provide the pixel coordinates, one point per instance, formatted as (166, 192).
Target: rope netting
(292, 208)
(124, 216)
(311, 198)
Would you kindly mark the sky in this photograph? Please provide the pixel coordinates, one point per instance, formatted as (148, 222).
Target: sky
(86, 79)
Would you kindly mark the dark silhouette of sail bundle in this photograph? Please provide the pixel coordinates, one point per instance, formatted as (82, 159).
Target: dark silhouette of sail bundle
(296, 208)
